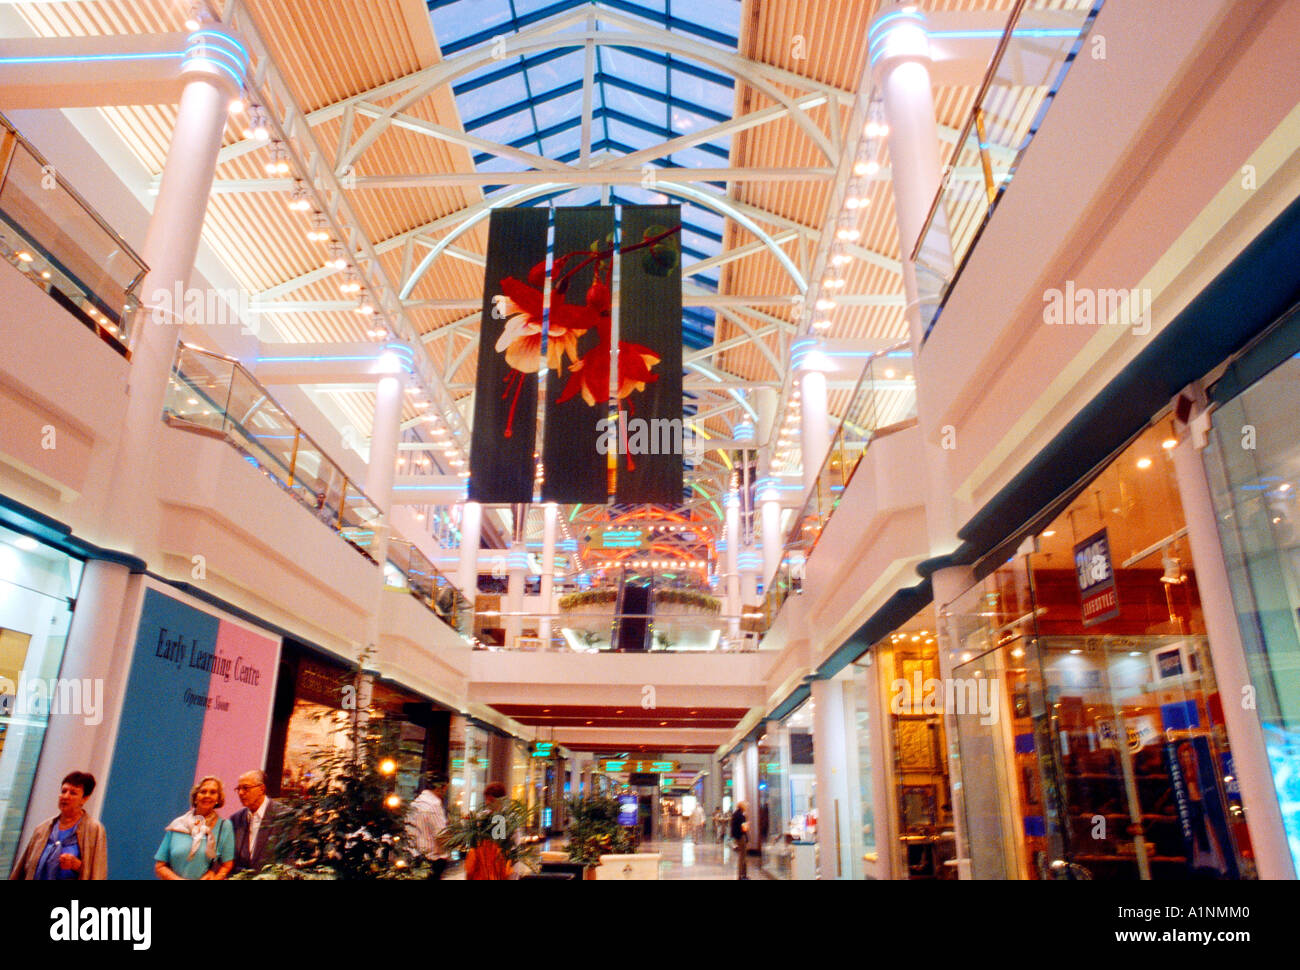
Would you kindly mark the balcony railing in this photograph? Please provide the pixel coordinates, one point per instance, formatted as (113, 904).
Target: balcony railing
(423, 580)
(53, 237)
(215, 395)
(1033, 57)
(882, 402)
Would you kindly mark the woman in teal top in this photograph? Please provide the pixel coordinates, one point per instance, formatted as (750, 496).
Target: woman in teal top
(200, 844)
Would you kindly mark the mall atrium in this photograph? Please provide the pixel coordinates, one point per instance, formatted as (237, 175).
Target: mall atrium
(962, 288)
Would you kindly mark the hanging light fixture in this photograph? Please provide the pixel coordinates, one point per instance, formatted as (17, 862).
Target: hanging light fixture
(845, 230)
(319, 231)
(298, 200)
(256, 129)
(278, 162)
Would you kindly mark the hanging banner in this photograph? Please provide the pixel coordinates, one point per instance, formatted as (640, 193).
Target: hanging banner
(198, 702)
(577, 357)
(651, 433)
(509, 356)
(1202, 814)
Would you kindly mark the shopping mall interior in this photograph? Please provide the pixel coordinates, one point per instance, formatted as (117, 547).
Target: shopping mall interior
(970, 548)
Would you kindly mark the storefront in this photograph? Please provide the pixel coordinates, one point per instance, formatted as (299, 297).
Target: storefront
(917, 792)
(315, 704)
(38, 584)
(787, 786)
(1089, 719)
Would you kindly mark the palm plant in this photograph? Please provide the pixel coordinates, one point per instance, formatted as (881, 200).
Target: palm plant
(487, 839)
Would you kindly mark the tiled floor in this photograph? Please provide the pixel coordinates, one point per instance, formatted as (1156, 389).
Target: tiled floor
(684, 859)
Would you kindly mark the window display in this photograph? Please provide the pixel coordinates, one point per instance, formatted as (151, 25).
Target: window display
(1098, 729)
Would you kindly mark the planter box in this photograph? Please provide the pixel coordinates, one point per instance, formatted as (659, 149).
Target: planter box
(642, 865)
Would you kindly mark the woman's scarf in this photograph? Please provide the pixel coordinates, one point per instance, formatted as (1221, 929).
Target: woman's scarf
(196, 827)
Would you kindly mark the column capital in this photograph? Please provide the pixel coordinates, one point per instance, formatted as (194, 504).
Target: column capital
(897, 35)
(217, 54)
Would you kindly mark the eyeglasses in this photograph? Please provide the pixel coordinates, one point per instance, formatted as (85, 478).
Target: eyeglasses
(247, 787)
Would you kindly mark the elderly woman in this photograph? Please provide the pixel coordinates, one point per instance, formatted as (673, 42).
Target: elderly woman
(72, 845)
(200, 844)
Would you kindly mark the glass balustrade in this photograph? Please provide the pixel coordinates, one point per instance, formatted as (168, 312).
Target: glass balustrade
(423, 580)
(54, 238)
(882, 402)
(215, 395)
(1041, 41)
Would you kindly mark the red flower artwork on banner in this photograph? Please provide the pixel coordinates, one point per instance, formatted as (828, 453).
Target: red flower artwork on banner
(520, 305)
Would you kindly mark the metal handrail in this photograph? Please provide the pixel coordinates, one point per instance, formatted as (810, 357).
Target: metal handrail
(994, 63)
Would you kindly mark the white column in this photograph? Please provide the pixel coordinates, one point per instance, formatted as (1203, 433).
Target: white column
(550, 515)
(471, 526)
(948, 585)
(171, 244)
(733, 569)
(518, 565)
(773, 541)
(1250, 757)
(380, 471)
(900, 66)
(829, 758)
(98, 651)
(814, 425)
(386, 430)
(750, 563)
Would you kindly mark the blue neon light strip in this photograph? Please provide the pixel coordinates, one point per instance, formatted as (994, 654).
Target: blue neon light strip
(89, 58)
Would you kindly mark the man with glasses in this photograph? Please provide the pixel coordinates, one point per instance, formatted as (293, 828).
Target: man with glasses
(255, 822)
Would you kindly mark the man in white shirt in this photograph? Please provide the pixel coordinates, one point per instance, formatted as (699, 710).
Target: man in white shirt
(254, 823)
(427, 819)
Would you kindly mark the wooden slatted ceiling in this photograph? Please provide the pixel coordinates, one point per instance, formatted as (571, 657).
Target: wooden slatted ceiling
(364, 43)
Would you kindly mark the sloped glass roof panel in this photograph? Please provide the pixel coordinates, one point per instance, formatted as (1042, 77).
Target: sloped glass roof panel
(642, 97)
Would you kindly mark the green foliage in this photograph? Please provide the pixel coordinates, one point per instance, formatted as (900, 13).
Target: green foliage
(594, 830)
(588, 597)
(497, 825)
(660, 258)
(688, 597)
(342, 827)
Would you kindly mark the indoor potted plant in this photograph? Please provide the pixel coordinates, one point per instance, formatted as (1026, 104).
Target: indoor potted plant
(594, 830)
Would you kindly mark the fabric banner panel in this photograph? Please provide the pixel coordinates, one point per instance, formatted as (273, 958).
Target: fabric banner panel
(198, 702)
(509, 356)
(651, 436)
(578, 354)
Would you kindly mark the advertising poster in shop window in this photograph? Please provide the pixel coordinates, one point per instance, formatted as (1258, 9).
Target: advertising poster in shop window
(1096, 578)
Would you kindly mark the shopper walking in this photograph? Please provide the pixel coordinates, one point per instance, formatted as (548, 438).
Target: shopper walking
(199, 844)
(427, 820)
(740, 836)
(72, 845)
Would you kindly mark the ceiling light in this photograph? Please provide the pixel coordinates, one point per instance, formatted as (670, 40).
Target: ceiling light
(1049, 533)
(298, 200)
(337, 260)
(278, 162)
(833, 283)
(846, 231)
(1169, 444)
(256, 129)
(821, 324)
(318, 232)
(351, 283)
(864, 167)
(1144, 463)
(365, 307)
(824, 303)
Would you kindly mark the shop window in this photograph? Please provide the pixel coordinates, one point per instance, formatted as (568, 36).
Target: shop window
(37, 584)
(1254, 470)
(1088, 715)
